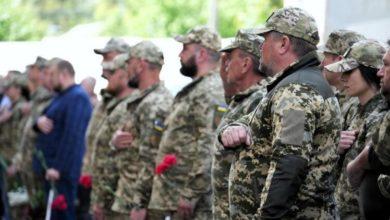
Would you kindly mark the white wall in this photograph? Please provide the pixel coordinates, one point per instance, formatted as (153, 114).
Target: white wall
(369, 17)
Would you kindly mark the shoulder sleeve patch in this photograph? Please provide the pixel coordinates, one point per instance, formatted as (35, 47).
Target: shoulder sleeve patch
(293, 127)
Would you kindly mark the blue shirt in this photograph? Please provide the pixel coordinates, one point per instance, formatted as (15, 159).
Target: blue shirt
(63, 148)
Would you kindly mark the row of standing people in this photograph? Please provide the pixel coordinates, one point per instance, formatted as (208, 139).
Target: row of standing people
(284, 139)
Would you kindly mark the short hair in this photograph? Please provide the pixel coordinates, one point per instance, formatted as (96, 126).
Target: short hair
(66, 66)
(255, 62)
(299, 46)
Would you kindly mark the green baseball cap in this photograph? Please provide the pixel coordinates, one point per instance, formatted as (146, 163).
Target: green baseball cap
(294, 22)
(114, 44)
(368, 53)
(147, 50)
(340, 40)
(203, 36)
(247, 41)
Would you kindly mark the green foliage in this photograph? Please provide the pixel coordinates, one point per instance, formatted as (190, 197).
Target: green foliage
(156, 18)
(33, 19)
(19, 22)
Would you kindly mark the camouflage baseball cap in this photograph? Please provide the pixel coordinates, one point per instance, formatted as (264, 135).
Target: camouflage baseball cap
(247, 41)
(114, 44)
(340, 40)
(366, 52)
(147, 50)
(292, 21)
(203, 36)
(40, 62)
(16, 79)
(119, 61)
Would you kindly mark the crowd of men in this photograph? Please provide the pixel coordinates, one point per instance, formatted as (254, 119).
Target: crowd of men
(270, 127)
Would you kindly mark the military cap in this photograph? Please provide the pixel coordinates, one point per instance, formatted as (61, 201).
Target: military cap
(203, 36)
(368, 53)
(40, 62)
(340, 40)
(247, 41)
(294, 22)
(114, 44)
(146, 50)
(120, 61)
(16, 78)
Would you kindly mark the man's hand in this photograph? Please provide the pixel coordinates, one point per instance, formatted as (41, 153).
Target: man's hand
(45, 124)
(234, 136)
(97, 212)
(185, 209)
(52, 174)
(122, 139)
(347, 138)
(138, 214)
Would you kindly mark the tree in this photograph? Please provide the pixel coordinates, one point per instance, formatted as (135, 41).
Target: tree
(34, 19)
(156, 18)
(19, 22)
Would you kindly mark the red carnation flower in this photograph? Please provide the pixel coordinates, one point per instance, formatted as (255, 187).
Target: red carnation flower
(86, 181)
(168, 161)
(59, 203)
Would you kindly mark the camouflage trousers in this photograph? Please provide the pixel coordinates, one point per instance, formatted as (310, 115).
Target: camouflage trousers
(153, 214)
(246, 181)
(220, 185)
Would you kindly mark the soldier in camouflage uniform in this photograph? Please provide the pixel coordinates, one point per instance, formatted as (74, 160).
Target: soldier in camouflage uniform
(290, 135)
(12, 120)
(374, 159)
(183, 189)
(114, 47)
(337, 44)
(104, 166)
(136, 142)
(22, 161)
(363, 83)
(243, 75)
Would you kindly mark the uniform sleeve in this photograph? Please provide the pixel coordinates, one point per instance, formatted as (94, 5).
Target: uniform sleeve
(151, 130)
(92, 125)
(293, 129)
(199, 179)
(381, 141)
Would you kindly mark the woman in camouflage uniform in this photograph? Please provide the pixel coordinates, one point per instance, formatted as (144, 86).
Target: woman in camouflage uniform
(359, 67)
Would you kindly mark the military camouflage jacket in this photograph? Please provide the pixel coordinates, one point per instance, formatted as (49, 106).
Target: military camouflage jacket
(189, 135)
(147, 115)
(364, 121)
(381, 147)
(23, 159)
(294, 129)
(100, 112)
(104, 168)
(11, 130)
(241, 104)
